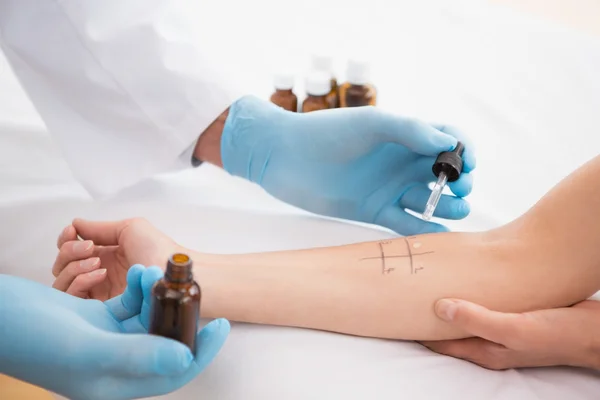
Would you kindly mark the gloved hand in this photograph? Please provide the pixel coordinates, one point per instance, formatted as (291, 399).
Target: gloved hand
(358, 163)
(86, 349)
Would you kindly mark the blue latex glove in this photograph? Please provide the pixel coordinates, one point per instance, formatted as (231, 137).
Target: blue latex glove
(86, 349)
(359, 163)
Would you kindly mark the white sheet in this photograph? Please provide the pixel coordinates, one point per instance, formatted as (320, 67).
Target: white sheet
(523, 89)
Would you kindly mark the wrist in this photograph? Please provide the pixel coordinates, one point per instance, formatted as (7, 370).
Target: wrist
(209, 277)
(208, 147)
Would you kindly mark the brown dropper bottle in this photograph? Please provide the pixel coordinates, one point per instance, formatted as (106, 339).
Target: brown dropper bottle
(284, 96)
(175, 305)
(358, 90)
(318, 86)
(324, 63)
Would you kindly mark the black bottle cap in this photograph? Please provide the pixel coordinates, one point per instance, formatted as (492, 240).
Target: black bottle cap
(450, 162)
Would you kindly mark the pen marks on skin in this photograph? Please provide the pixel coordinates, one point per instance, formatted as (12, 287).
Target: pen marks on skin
(386, 269)
(412, 269)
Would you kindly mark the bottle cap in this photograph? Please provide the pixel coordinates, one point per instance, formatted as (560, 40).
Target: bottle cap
(283, 81)
(318, 83)
(358, 72)
(322, 62)
(450, 162)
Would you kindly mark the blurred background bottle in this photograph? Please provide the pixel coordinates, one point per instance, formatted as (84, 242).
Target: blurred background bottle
(358, 90)
(284, 95)
(323, 63)
(318, 87)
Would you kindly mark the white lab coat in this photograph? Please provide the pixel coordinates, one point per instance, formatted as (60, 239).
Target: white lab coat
(121, 86)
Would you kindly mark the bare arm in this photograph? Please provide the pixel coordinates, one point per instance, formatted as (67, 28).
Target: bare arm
(548, 258)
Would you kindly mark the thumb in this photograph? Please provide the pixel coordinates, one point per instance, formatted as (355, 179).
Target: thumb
(209, 342)
(103, 233)
(144, 355)
(129, 303)
(479, 321)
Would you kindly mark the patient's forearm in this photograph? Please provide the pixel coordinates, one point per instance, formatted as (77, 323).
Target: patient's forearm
(547, 258)
(382, 289)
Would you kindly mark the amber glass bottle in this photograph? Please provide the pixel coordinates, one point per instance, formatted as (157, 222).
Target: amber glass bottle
(318, 86)
(284, 96)
(358, 89)
(175, 305)
(323, 63)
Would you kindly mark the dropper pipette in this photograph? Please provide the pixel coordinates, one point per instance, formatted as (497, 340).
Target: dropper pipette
(447, 168)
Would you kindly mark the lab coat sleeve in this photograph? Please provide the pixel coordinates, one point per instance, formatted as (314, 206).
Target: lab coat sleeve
(124, 90)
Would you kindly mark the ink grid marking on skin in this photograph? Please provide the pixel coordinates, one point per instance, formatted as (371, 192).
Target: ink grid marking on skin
(383, 257)
(384, 270)
(412, 269)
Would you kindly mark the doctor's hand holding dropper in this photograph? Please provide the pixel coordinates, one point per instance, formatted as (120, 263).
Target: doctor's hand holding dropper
(127, 95)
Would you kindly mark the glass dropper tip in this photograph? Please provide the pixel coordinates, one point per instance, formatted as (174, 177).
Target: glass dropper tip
(436, 195)
(428, 213)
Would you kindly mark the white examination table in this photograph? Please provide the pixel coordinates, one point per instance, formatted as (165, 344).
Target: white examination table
(517, 85)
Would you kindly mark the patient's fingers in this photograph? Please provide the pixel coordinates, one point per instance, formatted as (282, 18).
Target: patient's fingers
(103, 233)
(84, 283)
(68, 234)
(73, 270)
(476, 350)
(71, 251)
(479, 321)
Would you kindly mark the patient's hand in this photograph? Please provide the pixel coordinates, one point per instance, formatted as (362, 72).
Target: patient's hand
(96, 266)
(560, 336)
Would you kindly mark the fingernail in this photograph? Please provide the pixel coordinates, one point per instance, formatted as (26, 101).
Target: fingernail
(98, 272)
(81, 247)
(66, 230)
(445, 309)
(89, 263)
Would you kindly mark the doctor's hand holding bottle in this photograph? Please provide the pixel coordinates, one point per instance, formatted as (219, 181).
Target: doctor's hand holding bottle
(87, 349)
